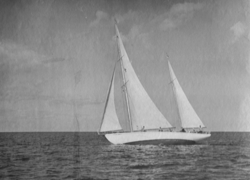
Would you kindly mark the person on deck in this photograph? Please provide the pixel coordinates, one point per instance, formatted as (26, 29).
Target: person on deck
(200, 130)
(183, 130)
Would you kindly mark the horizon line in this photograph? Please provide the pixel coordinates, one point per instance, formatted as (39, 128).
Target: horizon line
(85, 131)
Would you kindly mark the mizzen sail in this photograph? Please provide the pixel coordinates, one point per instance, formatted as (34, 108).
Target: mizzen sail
(110, 120)
(143, 111)
(189, 118)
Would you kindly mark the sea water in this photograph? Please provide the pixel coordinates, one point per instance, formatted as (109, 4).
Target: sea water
(89, 156)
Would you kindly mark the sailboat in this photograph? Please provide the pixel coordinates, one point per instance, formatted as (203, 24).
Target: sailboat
(147, 125)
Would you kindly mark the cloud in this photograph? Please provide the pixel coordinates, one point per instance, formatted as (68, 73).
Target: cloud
(245, 113)
(126, 19)
(185, 8)
(144, 25)
(239, 29)
(178, 14)
(248, 64)
(100, 15)
(19, 55)
(130, 15)
(134, 32)
(167, 24)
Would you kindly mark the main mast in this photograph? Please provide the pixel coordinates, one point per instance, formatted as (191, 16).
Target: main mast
(124, 79)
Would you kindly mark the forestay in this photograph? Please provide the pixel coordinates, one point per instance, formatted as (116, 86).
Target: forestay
(110, 120)
(189, 118)
(144, 112)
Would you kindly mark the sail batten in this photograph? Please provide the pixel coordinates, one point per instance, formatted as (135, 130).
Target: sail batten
(110, 120)
(144, 113)
(188, 116)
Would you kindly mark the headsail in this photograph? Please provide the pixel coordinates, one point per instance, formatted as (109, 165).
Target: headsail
(144, 113)
(189, 118)
(110, 120)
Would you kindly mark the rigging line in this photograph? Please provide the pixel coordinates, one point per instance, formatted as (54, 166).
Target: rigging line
(119, 43)
(172, 81)
(175, 96)
(124, 105)
(126, 96)
(107, 99)
(120, 58)
(174, 107)
(173, 88)
(123, 87)
(131, 110)
(77, 79)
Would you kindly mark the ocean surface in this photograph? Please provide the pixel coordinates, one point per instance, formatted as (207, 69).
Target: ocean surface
(89, 156)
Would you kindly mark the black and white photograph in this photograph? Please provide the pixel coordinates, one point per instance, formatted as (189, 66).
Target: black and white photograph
(124, 89)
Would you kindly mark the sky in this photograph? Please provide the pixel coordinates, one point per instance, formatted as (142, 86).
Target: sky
(57, 56)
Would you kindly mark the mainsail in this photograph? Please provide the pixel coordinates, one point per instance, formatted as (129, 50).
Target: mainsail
(143, 112)
(189, 118)
(110, 120)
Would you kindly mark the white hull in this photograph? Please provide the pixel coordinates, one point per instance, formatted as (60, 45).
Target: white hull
(154, 137)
